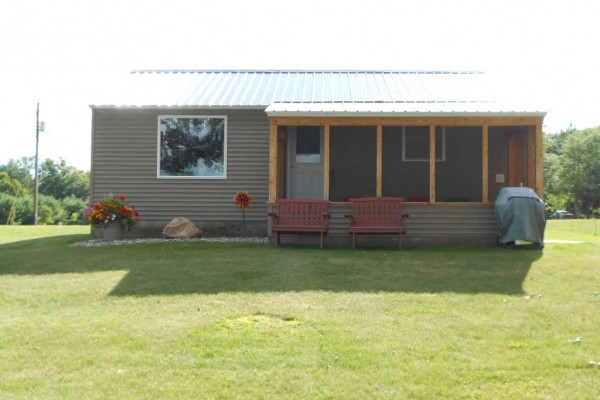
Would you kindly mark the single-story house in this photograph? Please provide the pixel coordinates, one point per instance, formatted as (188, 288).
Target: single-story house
(182, 142)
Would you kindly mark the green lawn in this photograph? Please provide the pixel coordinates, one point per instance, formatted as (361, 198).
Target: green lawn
(566, 228)
(200, 320)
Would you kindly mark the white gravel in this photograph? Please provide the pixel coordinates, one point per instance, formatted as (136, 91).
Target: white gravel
(97, 243)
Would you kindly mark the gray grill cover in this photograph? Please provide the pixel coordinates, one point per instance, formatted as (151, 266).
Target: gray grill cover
(520, 216)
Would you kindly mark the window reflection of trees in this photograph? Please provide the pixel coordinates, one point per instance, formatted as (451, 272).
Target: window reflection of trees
(192, 146)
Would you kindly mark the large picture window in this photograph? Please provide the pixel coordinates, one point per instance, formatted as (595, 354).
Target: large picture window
(192, 146)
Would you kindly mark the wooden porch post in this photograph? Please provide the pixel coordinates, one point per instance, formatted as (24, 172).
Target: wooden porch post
(326, 158)
(531, 157)
(485, 164)
(539, 160)
(379, 173)
(272, 162)
(432, 163)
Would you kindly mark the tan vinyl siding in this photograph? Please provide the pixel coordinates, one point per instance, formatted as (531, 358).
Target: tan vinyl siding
(433, 221)
(427, 225)
(125, 145)
(438, 224)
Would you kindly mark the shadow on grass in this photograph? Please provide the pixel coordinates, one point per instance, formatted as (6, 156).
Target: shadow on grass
(207, 268)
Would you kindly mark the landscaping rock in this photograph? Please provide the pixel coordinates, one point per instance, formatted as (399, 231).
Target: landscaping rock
(180, 228)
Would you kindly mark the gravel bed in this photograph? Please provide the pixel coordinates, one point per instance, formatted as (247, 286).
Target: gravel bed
(98, 242)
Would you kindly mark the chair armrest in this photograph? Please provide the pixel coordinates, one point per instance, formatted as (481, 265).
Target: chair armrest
(274, 216)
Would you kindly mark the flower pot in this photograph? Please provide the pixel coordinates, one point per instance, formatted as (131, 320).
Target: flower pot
(112, 231)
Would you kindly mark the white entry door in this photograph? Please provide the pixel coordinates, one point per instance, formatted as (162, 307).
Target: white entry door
(305, 162)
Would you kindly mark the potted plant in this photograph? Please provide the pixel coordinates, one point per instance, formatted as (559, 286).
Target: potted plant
(114, 215)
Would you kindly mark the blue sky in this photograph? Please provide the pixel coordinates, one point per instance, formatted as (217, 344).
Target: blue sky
(67, 53)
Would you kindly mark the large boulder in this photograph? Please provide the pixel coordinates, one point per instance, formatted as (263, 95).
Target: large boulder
(181, 228)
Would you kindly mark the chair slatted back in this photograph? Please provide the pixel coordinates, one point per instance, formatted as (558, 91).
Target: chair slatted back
(378, 211)
(302, 212)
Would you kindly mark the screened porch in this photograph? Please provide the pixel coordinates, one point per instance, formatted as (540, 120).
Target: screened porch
(433, 161)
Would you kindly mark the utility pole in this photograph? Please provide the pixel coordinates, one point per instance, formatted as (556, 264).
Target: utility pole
(36, 179)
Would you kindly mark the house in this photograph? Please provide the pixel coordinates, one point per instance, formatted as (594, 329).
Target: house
(181, 143)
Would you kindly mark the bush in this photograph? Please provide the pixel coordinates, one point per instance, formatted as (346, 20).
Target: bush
(51, 211)
(74, 208)
(6, 202)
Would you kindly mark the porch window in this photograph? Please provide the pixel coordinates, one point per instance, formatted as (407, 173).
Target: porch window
(192, 146)
(415, 144)
(400, 177)
(308, 144)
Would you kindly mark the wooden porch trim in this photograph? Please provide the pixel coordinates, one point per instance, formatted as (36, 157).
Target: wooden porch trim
(281, 151)
(379, 173)
(432, 164)
(326, 160)
(399, 121)
(531, 156)
(539, 159)
(272, 162)
(485, 164)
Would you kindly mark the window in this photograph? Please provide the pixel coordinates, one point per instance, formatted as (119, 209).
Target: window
(192, 146)
(415, 143)
(308, 144)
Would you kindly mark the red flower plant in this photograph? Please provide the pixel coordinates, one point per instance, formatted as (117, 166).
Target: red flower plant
(113, 209)
(243, 200)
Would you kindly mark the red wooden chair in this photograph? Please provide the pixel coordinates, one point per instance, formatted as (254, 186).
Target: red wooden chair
(377, 215)
(300, 216)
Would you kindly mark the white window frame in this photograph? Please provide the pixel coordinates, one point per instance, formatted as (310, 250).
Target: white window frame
(406, 158)
(158, 147)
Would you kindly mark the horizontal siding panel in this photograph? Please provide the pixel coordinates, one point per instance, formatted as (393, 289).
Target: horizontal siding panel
(432, 221)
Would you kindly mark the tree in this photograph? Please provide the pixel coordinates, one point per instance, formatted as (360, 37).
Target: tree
(23, 212)
(555, 198)
(60, 180)
(64, 192)
(580, 169)
(11, 186)
(20, 171)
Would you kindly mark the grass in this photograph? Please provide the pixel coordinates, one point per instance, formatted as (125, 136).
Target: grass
(16, 233)
(566, 228)
(201, 320)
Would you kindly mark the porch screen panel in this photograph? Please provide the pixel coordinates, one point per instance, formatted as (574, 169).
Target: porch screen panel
(459, 177)
(408, 179)
(353, 162)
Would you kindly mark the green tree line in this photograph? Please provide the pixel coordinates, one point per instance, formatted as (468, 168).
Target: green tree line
(572, 170)
(63, 192)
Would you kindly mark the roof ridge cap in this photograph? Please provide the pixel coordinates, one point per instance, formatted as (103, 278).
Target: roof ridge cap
(305, 71)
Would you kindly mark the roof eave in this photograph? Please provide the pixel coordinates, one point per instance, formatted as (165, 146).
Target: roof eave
(274, 114)
(178, 107)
